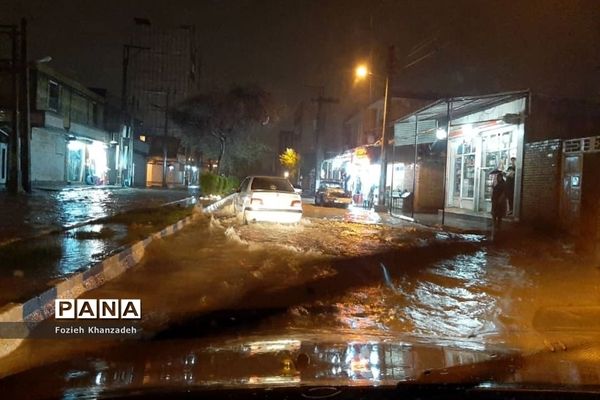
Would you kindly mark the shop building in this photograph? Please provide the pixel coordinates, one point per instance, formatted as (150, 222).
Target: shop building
(442, 156)
(450, 147)
(68, 139)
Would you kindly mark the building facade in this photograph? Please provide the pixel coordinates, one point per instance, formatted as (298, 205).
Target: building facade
(439, 168)
(68, 139)
(162, 72)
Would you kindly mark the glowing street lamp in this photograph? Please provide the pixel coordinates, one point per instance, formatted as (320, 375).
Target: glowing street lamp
(361, 71)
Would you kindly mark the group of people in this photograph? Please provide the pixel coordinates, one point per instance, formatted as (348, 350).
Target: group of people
(503, 193)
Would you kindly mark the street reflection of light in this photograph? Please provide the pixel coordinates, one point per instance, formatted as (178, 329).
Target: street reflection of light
(190, 359)
(273, 380)
(274, 345)
(99, 378)
(374, 357)
(375, 372)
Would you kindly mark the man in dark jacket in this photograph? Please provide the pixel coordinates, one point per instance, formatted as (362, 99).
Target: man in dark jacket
(510, 184)
(498, 201)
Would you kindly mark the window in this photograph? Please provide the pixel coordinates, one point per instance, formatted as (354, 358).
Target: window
(464, 170)
(244, 185)
(53, 96)
(95, 114)
(272, 184)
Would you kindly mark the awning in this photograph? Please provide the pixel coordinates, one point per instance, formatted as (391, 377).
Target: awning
(425, 121)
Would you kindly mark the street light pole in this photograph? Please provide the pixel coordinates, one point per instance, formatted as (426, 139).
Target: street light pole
(383, 203)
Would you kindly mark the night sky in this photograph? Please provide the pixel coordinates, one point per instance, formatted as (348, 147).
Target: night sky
(549, 46)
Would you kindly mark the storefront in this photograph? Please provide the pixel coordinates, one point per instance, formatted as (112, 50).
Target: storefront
(357, 169)
(3, 162)
(87, 161)
(445, 153)
(474, 153)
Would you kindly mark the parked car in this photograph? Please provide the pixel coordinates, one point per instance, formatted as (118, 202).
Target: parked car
(332, 193)
(269, 199)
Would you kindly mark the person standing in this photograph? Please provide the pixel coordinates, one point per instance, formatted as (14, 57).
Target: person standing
(510, 184)
(498, 201)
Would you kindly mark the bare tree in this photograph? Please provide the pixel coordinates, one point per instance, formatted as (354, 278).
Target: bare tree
(222, 117)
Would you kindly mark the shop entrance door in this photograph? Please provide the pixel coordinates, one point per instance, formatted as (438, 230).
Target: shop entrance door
(463, 181)
(3, 163)
(497, 148)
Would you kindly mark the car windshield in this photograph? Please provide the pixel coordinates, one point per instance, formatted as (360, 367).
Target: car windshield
(251, 194)
(272, 184)
(332, 185)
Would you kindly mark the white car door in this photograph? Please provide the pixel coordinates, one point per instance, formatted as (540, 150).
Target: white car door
(242, 195)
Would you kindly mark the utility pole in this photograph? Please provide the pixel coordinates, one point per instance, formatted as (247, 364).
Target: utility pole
(320, 100)
(385, 132)
(13, 183)
(166, 133)
(125, 109)
(25, 123)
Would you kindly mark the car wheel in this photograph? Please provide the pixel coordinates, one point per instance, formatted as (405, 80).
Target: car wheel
(317, 201)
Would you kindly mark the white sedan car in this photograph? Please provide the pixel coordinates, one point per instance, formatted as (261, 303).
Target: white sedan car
(269, 199)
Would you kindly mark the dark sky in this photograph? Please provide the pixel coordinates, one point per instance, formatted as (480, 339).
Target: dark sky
(551, 46)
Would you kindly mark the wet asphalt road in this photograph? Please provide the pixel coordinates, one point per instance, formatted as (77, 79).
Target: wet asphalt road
(343, 271)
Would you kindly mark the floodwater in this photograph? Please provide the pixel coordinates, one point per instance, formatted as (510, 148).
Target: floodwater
(30, 265)
(26, 215)
(218, 279)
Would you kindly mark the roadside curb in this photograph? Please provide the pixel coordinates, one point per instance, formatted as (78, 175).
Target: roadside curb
(218, 204)
(41, 307)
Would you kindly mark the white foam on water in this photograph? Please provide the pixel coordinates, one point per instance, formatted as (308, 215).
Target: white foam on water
(232, 235)
(227, 209)
(214, 224)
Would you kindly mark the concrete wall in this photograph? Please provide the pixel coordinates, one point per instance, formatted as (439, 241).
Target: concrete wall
(140, 168)
(541, 183)
(48, 149)
(154, 174)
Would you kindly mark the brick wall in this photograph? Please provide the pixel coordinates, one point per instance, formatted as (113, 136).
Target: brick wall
(541, 182)
(429, 195)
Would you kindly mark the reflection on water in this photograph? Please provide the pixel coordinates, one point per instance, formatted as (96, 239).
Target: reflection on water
(279, 362)
(458, 297)
(75, 208)
(28, 265)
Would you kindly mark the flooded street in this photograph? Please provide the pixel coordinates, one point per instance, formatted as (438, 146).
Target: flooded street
(217, 279)
(44, 210)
